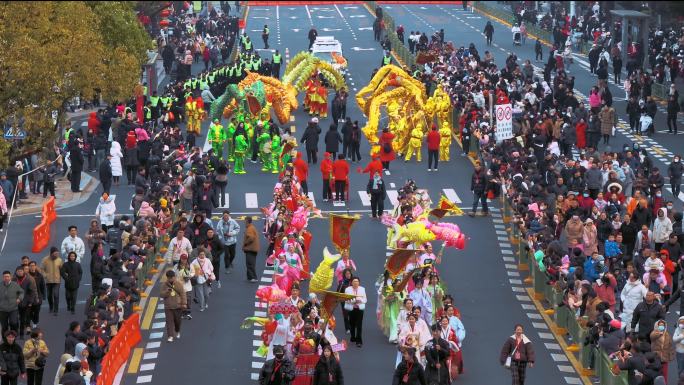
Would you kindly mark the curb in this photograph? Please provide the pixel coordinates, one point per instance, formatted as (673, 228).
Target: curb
(86, 192)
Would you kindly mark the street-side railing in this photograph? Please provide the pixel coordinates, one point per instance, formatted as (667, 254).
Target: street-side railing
(533, 31)
(594, 361)
(406, 58)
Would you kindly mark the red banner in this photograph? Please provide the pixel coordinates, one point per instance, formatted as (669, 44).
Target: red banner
(340, 230)
(139, 108)
(398, 261)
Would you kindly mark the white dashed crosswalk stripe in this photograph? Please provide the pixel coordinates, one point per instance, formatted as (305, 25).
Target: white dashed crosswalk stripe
(451, 195)
(393, 196)
(251, 201)
(365, 199)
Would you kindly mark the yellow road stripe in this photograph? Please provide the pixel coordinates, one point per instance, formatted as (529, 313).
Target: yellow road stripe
(135, 361)
(149, 313)
(561, 341)
(292, 118)
(293, 128)
(658, 150)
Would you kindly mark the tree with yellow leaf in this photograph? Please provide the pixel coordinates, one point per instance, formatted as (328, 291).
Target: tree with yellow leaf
(51, 52)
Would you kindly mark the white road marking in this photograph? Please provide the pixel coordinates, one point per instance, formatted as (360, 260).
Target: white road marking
(146, 367)
(393, 196)
(365, 199)
(251, 201)
(150, 356)
(451, 195)
(143, 379)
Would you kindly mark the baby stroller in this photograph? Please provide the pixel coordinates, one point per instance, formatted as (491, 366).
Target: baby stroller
(517, 38)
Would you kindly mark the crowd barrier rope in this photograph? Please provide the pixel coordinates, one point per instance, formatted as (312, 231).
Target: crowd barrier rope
(120, 348)
(41, 233)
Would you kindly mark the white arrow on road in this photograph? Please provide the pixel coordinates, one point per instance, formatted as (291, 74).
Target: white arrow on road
(331, 29)
(362, 49)
(325, 17)
(293, 17)
(351, 7)
(295, 30)
(365, 28)
(356, 16)
(261, 17)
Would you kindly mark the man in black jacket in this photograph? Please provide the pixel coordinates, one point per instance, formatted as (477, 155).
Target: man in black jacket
(646, 314)
(106, 173)
(478, 183)
(76, 158)
(278, 370)
(310, 138)
(205, 198)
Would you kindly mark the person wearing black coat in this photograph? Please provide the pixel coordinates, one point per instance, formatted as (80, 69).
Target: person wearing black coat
(328, 370)
(141, 180)
(73, 376)
(279, 370)
(77, 160)
(72, 337)
(436, 353)
(332, 141)
(132, 162)
(310, 138)
(646, 314)
(13, 357)
(376, 191)
(675, 171)
(478, 182)
(409, 372)
(204, 198)
(106, 173)
(672, 111)
(346, 137)
(71, 273)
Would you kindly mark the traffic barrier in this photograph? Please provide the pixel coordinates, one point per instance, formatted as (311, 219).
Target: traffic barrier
(120, 348)
(41, 233)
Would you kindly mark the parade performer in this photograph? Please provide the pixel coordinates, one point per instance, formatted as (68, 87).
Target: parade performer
(374, 166)
(414, 144)
(264, 142)
(389, 307)
(276, 150)
(217, 137)
(306, 348)
(230, 138)
(192, 116)
(444, 142)
(316, 99)
(240, 151)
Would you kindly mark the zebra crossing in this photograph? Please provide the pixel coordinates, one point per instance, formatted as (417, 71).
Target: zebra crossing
(250, 200)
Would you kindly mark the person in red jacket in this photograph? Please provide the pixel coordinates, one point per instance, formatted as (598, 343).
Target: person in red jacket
(93, 124)
(340, 173)
(131, 140)
(326, 173)
(371, 168)
(433, 147)
(301, 171)
(386, 150)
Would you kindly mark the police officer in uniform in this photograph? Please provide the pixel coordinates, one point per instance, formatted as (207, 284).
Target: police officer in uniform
(386, 59)
(275, 64)
(264, 36)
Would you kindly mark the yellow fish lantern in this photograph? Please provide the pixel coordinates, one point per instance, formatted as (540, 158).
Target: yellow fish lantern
(416, 232)
(323, 277)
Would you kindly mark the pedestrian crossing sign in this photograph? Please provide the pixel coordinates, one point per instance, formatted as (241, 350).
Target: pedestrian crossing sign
(14, 133)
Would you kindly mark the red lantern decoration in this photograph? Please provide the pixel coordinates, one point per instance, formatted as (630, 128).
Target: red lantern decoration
(163, 23)
(165, 13)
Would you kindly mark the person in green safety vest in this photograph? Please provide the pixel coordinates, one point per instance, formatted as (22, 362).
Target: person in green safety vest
(147, 112)
(243, 40)
(264, 36)
(264, 150)
(276, 149)
(275, 64)
(211, 77)
(154, 101)
(230, 131)
(240, 151)
(386, 59)
(217, 137)
(248, 44)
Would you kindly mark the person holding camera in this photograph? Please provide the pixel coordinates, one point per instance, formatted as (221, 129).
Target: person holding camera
(35, 353)
(175, 301)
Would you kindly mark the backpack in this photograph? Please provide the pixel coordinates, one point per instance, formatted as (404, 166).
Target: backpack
(387, 148)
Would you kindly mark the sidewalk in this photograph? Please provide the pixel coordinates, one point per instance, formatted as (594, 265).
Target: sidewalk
(63, 195)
